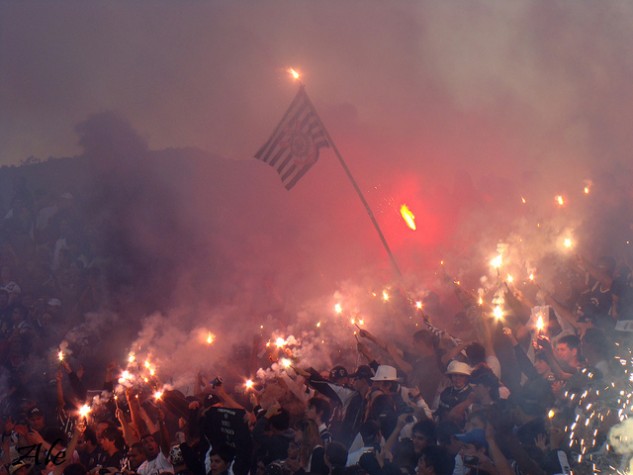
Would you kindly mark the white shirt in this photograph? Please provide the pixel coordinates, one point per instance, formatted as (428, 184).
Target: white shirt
(155, 466)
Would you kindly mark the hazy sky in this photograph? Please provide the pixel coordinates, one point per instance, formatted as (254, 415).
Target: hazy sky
(456, 82)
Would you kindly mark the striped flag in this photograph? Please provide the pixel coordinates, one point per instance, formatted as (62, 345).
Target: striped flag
(294, 145)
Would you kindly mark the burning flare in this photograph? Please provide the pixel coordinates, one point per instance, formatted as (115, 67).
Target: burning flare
(408, 216)
(249, 384)
(540, 325)
(84, 410)
(294, 73)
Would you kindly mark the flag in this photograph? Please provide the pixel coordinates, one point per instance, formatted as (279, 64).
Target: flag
(294, 145)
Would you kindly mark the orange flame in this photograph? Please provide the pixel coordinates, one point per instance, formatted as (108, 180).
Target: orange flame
(294, 73)
(408, 216)
(540, 324)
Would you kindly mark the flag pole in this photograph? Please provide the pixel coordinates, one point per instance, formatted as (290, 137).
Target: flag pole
(357, 188)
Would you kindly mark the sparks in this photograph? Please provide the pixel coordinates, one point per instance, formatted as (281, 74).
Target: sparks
(125, 374)
(531, 276)
(551, 414)
(385, 295)
(560, 200)
(131, 358)
(210, 338)
(568, 243)
(60, 355)
(249, 384)
(408, 216)
(418, 304)
(158, 395)
(338, 308)
(510, 279)
(280, 342)
(523, 200)
(294, 73)
(285, 363)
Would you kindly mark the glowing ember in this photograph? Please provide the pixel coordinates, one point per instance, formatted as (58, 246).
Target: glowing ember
(249, 384)
(152, 372)
(496, 262)
(60, 355)
(385, 295)
(279, 342)
(125, 374)
(294, 73)
(131, 358)
(285, 363)
(338, 308)
(418, 304)
(559, 200)
(408, 216)
(210, 338)
(147, 364)
(84, 410)
(158, 395)
(497, 312)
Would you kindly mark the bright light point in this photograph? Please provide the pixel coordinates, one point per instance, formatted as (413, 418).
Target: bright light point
(442, 263)
(352, 320)
(294, 73)
(125, 374)
(60, 355)
(285, 363)
(497, 313)
(480, 301)
(559, 200)
(531, 276)
(279, 342)
(249, 384)
(385, 295)
(84, 410)
(338, 308)
(152, 372)
(568, 243)
(408, 216)
(510, 279)
(318, 325)
(540, 324)
(147, 364)
(361, 322)
(523, 200)
(496, 262)
(158, 395)
(210, 338)
(551, 414)
(418, 304)
(131, 358)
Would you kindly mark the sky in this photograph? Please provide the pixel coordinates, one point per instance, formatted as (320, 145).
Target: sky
(457, 108)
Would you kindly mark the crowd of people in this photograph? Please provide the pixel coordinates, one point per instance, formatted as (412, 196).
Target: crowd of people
(524, 393)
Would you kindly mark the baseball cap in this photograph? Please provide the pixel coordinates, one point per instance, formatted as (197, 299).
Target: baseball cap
(476, 437)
